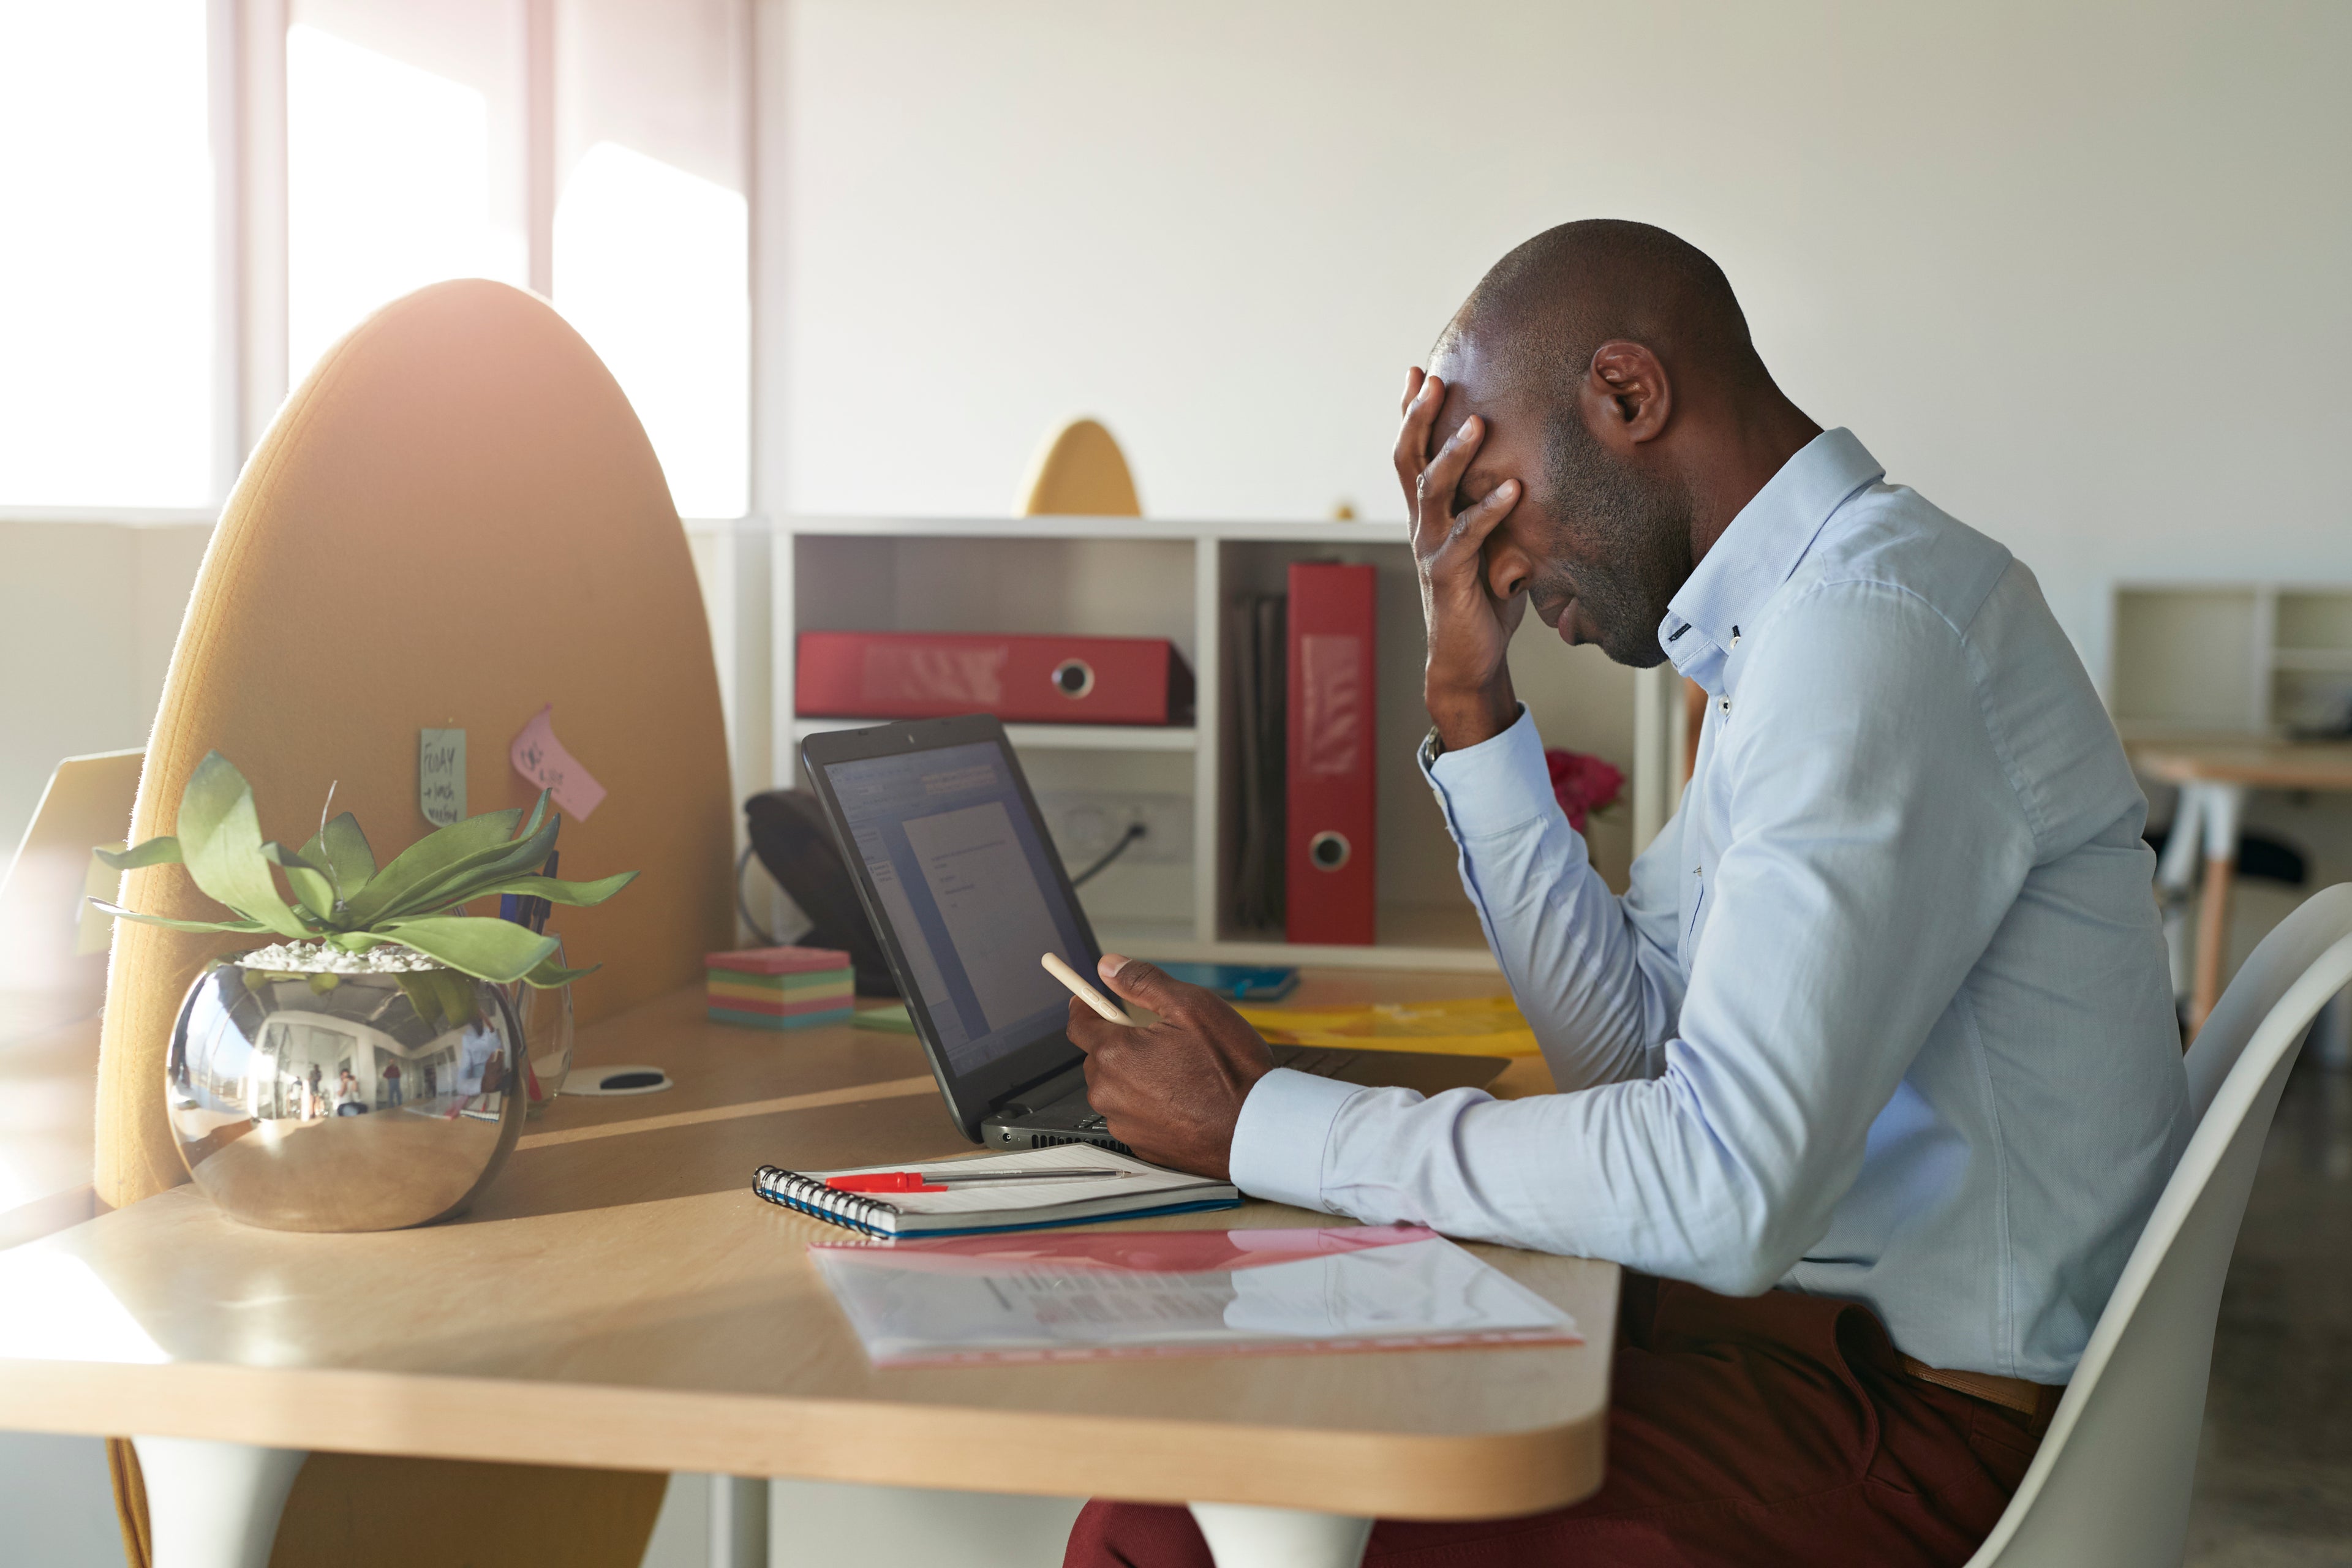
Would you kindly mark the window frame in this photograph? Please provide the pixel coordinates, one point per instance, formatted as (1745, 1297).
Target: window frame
(247, 126)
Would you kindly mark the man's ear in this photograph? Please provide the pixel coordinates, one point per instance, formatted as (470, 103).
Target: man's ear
(1626, 397)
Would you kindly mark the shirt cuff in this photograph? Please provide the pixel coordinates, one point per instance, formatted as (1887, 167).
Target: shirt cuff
(1284, 1126)
(1497, 786)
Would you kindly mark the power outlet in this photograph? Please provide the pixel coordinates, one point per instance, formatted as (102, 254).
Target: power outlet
(1084, 824)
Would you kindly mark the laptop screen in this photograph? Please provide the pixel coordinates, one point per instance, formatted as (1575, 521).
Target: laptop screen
(968, 886)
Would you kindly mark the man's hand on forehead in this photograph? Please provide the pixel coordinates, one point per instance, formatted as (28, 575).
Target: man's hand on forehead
(1468, 680)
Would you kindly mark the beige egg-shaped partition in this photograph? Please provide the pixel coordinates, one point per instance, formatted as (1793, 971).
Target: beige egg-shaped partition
(456, 521)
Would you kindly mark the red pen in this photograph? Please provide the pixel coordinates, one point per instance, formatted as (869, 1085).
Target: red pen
(941, 1181)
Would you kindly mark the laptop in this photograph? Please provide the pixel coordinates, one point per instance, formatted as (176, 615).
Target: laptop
(963, 884)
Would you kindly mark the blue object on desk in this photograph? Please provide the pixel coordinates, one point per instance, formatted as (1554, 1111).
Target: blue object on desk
(1236, 982)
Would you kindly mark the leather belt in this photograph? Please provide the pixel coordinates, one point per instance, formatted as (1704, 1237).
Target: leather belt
(2037, 1401)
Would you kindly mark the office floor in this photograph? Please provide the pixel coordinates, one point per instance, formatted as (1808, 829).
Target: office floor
(2274, 1477)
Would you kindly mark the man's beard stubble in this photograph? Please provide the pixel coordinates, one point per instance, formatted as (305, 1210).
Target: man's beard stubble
(1634, 532)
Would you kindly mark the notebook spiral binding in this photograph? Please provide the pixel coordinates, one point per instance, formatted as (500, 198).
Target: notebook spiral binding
(806, 1194)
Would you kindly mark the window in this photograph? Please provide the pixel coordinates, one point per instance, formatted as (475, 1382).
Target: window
(403, 157)
(597, 145)
(107, 271)
(651, 229)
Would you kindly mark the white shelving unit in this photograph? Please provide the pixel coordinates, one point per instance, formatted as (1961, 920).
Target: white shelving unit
(2230, 658)
(1152, 577)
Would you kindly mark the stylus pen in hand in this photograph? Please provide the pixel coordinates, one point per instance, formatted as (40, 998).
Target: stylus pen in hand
(1083, 991)
(939, 1181)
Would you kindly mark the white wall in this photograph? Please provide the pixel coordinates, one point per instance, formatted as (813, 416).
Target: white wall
(88, 616)
(2077, 271)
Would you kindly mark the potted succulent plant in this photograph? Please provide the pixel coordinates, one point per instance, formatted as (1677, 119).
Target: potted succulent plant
(365, 1071)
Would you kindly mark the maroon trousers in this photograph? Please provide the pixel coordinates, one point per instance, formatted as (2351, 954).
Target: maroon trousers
(1777, 1429)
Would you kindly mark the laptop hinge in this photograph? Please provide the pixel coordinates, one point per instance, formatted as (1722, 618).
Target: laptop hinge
(1053, 1087)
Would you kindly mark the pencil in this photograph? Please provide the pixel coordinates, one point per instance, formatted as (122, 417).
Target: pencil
(1083, 992)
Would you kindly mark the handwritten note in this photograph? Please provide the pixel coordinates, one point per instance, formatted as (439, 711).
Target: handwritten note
(540, 757)
(441, 775)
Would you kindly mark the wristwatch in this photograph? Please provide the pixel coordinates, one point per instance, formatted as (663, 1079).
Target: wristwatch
(1431, 748)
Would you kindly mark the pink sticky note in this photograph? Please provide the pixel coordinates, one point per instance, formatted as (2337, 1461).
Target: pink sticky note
(540, 757)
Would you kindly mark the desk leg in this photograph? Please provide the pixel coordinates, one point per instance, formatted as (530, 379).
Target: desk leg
(2220, 807)
(214, 1505)
(1239, 1536)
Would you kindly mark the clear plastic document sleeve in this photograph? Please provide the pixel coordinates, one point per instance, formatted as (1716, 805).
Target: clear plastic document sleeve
(1048, 1298)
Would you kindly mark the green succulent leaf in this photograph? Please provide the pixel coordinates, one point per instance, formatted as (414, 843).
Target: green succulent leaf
(118, 913)
(220, 835)
(481, 946)
(580, 895)
(312, 887)
(474, 876)
(163, 851)
(342, 849)
(551, 975)
(427, 860)
(457, 996)
(423, 994)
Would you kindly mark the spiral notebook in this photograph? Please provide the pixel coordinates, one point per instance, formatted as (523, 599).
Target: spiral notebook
(1139, 1189)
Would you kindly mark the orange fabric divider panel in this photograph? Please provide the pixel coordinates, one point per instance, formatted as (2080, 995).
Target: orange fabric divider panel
(456, 520)
(399, 1513)
(360, 1510)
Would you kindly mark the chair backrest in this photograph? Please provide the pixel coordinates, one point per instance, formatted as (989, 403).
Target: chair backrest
(52, 944)
(456, 521)
(2110, 1488)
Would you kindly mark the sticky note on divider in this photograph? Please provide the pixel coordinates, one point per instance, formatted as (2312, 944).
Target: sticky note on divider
(540, 757)
(441, 775)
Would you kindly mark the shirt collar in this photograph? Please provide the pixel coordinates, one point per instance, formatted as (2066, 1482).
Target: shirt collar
(1763, 546)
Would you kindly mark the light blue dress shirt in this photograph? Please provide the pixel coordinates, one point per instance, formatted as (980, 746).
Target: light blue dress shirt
(1885, 1015)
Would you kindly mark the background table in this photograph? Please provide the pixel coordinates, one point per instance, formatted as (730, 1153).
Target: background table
(2214, 778)
(618, 1298)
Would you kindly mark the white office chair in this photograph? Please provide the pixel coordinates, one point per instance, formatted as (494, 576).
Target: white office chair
(2110, 1488)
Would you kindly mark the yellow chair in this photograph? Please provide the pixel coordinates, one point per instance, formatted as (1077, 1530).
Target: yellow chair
(456, 520)
(1080, 472)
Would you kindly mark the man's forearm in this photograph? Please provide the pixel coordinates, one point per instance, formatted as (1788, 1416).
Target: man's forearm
(1592, 982)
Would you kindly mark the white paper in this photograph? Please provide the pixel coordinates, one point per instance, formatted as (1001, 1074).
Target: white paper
(441, 775)
(994, 1197)
(910, 1307)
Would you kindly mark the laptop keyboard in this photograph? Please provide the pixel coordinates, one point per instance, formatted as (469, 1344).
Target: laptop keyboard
(1318, 1063)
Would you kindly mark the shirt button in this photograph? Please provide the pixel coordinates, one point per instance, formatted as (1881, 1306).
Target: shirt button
(1724, 703)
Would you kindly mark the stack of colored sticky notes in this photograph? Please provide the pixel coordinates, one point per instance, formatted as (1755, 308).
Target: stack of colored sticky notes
(780, 987)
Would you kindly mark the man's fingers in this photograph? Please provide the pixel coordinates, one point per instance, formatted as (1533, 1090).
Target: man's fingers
(1476, 522)
(1137, 980)
(1089, 1030)
(1437, 482)
(1413, 436)
(1412, 380)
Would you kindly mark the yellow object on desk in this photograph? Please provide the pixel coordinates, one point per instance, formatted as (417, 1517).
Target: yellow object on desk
(1467, 1026)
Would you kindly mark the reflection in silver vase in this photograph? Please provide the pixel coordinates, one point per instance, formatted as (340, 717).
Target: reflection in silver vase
(343, 1101)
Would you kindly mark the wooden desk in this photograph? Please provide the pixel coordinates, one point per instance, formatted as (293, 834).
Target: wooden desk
(2213, 778)
(618, 1298)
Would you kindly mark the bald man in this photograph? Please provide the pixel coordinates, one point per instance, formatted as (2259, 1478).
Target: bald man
(1870, 1077)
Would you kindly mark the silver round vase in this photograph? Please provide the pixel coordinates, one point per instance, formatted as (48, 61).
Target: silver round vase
(341, 1102)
